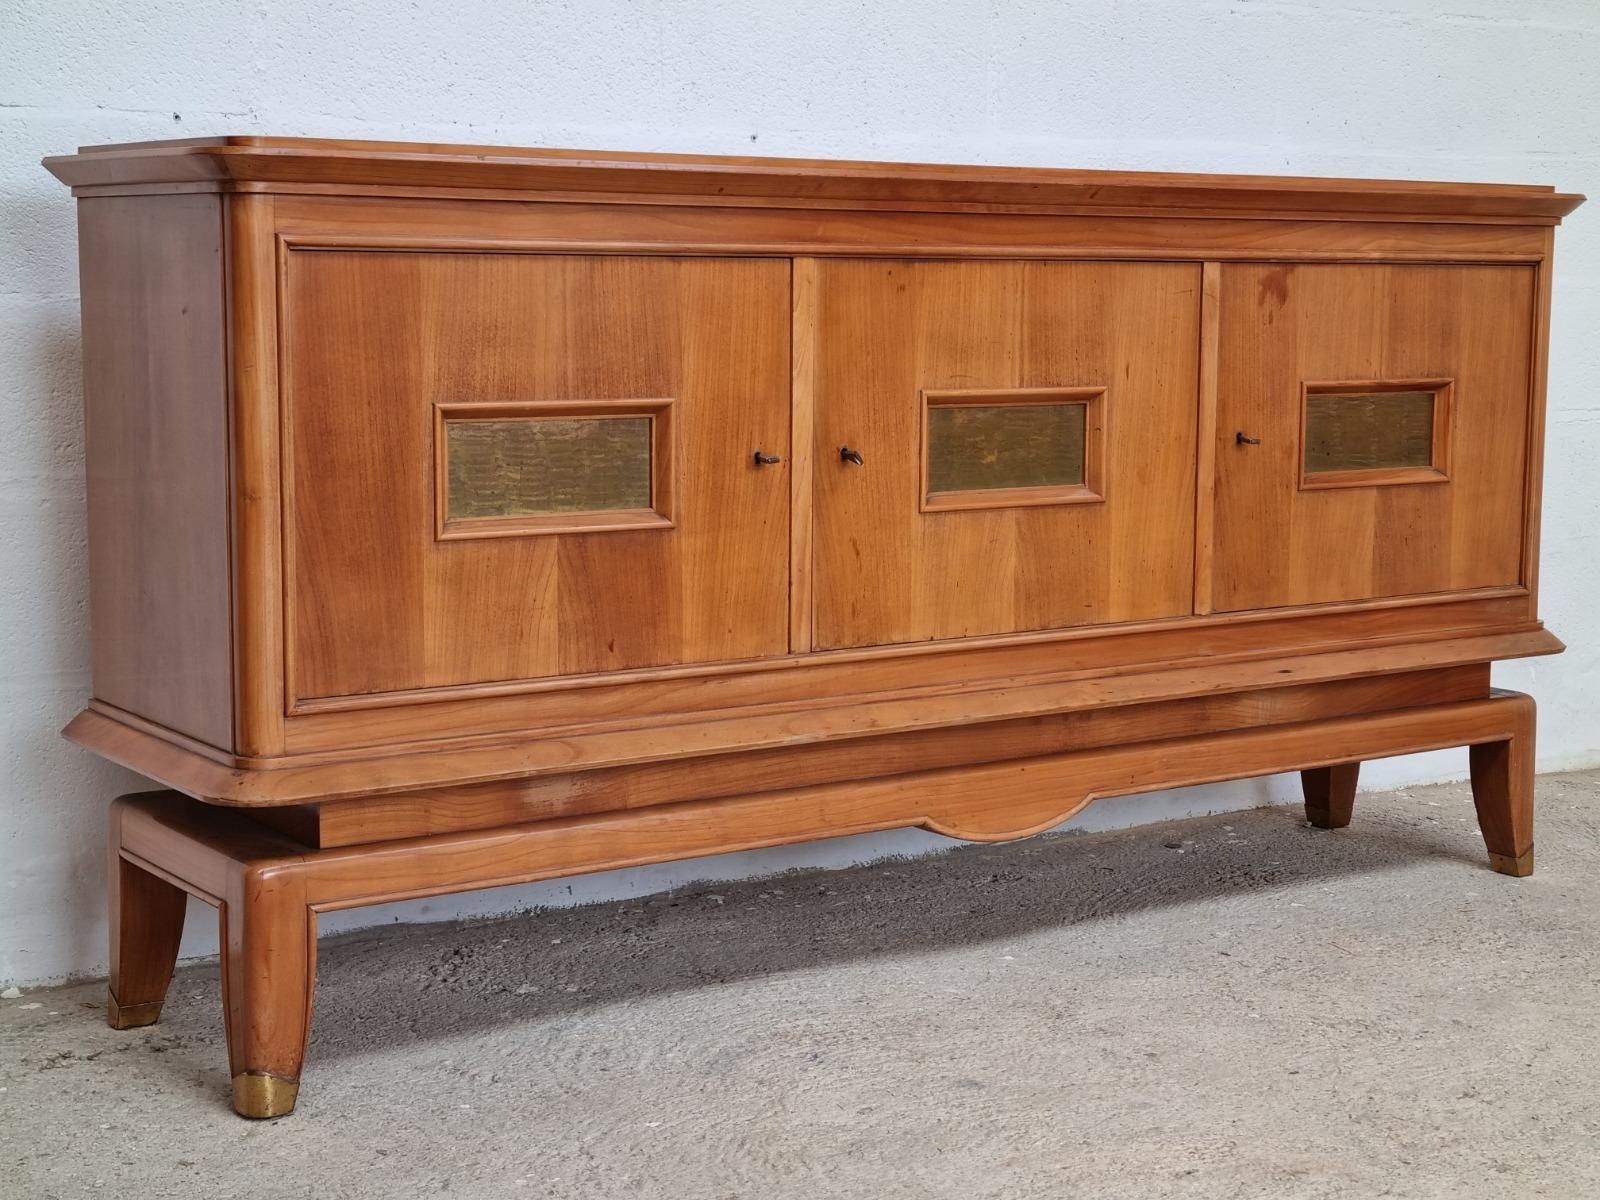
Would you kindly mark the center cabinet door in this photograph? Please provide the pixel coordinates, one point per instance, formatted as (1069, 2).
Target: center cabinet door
(1026, 443)
(511, 466)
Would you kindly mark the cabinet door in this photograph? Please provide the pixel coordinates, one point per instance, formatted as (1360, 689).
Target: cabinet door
(507, 466)
(1372, 430)
(1026, 435)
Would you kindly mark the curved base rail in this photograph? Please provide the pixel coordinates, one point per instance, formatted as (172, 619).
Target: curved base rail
(269, 888)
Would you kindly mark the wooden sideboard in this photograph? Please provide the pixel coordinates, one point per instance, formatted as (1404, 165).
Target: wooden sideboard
(461, 516)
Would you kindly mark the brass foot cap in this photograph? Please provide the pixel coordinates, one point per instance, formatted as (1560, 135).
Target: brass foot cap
(258, 1095)
(1519, 866)
(130, 1016)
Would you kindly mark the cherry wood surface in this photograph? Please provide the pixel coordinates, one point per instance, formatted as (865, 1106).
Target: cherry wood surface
(146, 914)
(1502, 790)
(889, 571)
(156, 455)
(479, 806)
(242, 161)
(257, 478)
(514, 223)
(1289, 328)
(372, 341)
(345, 774)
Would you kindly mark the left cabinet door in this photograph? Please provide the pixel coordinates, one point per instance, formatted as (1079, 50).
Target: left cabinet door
(513, 466)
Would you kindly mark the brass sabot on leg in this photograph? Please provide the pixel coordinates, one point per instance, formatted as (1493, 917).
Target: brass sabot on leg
(258, 1095)
(130, 1016)
(1519, 866)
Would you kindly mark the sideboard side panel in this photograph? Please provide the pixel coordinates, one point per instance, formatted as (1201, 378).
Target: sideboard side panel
(156, 449)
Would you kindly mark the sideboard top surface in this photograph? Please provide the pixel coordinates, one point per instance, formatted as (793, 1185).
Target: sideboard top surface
(248, 163)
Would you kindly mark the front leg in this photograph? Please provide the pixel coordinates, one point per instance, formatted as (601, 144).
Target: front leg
(1502, 789)
(269, 962)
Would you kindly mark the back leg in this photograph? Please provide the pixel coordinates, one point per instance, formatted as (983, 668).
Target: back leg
(1330, 794)
(146, 924)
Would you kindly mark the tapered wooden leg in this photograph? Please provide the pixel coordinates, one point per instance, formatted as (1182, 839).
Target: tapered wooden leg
(1502, 789)
(146, 921)
(268, 978)
(1330, 794)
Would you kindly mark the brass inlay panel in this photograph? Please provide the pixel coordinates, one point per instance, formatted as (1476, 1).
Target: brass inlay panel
(1369, 431)
(978, 448)
(552, 466)
(545, 465)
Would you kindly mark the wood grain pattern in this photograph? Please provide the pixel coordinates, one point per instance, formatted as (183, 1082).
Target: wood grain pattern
(255, 259)
(435, 224)
(991, 802)
(374, 340)
(271, 161)
(1210, 370)
(1538, 381)
(342, 773)
(482, 806)
(800, 684)
(156, 456)
(802, 458)
(1283, 326)
(887, 572)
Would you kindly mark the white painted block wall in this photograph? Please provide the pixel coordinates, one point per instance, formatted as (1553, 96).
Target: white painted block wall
(1426, 89)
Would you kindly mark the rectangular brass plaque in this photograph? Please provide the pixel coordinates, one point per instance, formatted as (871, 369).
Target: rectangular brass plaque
(1353, 431)
(532, 466)
(984, 447)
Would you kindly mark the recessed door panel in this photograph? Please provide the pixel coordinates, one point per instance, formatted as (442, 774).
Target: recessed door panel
(512, 466)
(1002, 446)
(1371, 431)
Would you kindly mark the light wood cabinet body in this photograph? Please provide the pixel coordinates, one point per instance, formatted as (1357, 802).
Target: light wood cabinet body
(462, 515)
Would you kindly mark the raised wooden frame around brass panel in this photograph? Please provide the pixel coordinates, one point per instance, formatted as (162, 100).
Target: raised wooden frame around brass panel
(1090, 491)
(1443, 416)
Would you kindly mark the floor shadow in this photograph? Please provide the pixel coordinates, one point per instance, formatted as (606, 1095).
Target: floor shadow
(414, 983)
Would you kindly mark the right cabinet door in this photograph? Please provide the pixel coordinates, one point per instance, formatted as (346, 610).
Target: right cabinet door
(1372, 427)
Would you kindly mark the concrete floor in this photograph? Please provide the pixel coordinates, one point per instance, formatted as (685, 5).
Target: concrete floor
(1223, 1007)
